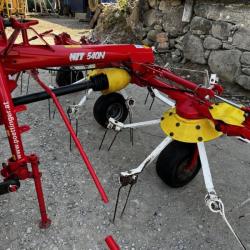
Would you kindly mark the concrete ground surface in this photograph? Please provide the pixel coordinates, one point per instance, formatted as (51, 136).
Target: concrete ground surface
(157, 217)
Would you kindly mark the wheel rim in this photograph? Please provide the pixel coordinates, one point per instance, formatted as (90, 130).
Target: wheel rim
(115, 110)
(184, 172)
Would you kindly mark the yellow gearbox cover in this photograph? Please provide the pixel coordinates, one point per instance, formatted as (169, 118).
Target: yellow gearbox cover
(228, 114)
(190, 131)
(118, 78)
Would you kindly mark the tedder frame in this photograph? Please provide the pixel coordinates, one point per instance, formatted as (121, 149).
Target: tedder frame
(197, 114)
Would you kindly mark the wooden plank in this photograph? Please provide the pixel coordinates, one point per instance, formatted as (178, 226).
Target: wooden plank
(188, 11)
(95, 17)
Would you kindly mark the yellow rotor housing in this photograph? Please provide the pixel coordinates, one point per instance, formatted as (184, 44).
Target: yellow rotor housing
(185, 130)
(118, 78)
(228, 114)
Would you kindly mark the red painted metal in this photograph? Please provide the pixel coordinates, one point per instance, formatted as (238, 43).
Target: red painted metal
(193, 162)
(36, 175)
(72, 133)
(37, 56)
(192, 101)
(111, 243)
(9, 118)
(17, 165)
(64, 39)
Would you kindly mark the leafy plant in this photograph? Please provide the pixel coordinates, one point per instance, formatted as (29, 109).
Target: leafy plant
(123, 4)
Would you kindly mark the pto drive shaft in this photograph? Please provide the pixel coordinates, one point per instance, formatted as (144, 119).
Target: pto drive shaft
(97, 83)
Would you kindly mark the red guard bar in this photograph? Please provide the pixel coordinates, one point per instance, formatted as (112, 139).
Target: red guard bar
(72, 133)
(172, 77)
(111, 243)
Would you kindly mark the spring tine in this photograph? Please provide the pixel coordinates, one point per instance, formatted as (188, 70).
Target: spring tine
(71, 75)
(18, 75)
(49, 109)
(145, 102)
(113, 140)
(54, 113)
(28, 85)
(117, 201)
(132, 136)
(77, 74)
(21, 85)
(131, 131)
(103, 138)
(126, 202)
(151, 103)
(70, 139)
(50, 72)
(77, 127)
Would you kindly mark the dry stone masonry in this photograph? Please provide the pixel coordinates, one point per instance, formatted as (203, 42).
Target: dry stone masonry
(218, 35)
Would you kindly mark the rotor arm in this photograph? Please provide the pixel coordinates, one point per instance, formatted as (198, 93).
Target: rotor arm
(231, 130)
(199, 90)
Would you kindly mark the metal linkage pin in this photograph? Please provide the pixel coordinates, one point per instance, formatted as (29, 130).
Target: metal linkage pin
(125, 181)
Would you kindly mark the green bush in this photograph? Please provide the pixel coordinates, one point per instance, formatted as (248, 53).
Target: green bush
(123, 4)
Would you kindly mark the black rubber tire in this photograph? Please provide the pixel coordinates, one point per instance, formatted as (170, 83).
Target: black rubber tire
(172, 161)
(106, 104)
(64, 78)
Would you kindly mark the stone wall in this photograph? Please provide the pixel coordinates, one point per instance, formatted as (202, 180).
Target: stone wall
(218, 35)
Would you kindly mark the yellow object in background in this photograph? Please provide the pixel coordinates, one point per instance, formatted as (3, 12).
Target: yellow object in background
(118, 78)
(13, 7)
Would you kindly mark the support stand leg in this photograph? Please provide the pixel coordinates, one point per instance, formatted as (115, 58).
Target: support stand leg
(45, 221)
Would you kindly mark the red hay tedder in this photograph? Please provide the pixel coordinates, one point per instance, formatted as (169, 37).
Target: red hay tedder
(197, 113)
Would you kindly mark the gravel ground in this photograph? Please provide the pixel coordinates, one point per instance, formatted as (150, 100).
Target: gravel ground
(157, 217)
